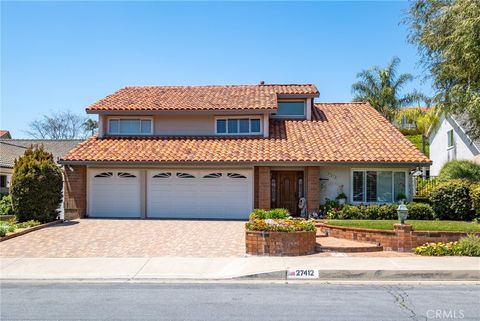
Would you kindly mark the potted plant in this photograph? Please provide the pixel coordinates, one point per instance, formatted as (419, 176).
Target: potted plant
(341, 198)
(401, 197)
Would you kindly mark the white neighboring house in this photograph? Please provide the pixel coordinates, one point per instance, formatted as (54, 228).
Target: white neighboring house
(450, 142)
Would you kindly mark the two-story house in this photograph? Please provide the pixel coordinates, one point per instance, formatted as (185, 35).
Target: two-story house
(220, 151)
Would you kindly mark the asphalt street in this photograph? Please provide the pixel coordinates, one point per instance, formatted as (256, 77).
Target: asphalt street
(233, 301)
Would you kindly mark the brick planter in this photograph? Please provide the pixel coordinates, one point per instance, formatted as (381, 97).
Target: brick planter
(401, 239)
(280, 243)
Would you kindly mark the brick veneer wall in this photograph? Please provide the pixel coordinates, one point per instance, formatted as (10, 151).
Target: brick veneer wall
(402, 238)
(75, 191)
(312, 174)
(280, 243)
(263, 189)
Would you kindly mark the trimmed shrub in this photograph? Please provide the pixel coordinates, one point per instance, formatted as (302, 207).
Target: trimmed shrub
(416, 211)
(460, 169)
(451, 201)
(6, 205)
(388, 212)
(276, 213)
(280, 225)
(475, 196)
(36, 186)
(420, 211)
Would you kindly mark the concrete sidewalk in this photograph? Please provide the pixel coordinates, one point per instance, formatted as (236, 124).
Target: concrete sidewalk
(223, 268)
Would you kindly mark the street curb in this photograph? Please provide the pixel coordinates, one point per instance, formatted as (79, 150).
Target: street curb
(377, 275)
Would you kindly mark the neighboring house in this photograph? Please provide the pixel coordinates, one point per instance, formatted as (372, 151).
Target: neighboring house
(449, 141)
(5, 134)
(11, 149)
(404, 123)
(220, 151)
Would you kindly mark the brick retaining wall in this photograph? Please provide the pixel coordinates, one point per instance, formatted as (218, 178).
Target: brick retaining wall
(402, 238)
(280, 243)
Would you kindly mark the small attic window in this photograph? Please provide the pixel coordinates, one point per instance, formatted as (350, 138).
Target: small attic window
(290, 109)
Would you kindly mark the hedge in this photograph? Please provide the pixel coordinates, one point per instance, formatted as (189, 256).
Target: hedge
(416, 211)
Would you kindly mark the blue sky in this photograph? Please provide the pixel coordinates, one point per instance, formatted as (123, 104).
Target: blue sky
(59, 55)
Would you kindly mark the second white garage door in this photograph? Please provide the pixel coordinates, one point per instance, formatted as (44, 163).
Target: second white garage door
(223, 194)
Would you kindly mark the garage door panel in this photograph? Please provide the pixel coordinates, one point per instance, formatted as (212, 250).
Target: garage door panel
(199, 197)
(117, 195)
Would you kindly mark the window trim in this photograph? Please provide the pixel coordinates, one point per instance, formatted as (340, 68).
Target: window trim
(453, 139)
(365, 170)
(130, 118)
(250, 133)
(304, 116)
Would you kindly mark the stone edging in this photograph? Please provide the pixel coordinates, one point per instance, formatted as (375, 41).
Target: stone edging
(28, 230)
(280, 243)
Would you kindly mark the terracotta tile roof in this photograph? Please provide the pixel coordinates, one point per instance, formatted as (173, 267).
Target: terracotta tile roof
(338, 132)
(5, 134)
(256, 97)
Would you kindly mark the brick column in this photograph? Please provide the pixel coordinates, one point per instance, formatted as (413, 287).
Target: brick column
(403, 238)
(75, 191)
(263, 187)
(312, 176)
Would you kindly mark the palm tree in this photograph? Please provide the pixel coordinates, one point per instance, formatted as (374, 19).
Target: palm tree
(90, 125)
(381, 88)
(424, 120)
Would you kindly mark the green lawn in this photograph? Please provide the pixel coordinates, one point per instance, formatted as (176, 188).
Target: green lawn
(417, 225)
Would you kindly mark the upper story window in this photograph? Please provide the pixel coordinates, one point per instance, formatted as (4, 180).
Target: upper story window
(291, 109)
(130, 126)
(237, 126)
(450, 138)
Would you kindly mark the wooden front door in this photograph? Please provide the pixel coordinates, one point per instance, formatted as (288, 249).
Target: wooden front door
(286, 190)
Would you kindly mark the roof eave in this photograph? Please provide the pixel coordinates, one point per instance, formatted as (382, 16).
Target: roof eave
(244, 163)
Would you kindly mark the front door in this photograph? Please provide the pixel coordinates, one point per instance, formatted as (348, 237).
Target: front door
(287, 189)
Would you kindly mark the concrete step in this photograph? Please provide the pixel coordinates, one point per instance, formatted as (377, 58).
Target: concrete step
(332, 244)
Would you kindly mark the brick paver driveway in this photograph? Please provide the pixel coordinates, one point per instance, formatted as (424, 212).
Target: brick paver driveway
(130, 238)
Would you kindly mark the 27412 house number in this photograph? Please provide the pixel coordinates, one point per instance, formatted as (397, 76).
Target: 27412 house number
(302, 274)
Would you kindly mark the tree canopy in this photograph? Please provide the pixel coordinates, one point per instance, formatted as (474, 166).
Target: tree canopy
(447, 34)
(382, 88)
(62, 125)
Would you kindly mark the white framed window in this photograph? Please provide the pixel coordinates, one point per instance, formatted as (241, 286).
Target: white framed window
(378, 186)
(238, 125)
(130, 126)
(290, 109)
(450, 139)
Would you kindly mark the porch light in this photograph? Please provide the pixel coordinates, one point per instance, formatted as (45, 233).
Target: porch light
(402, 212)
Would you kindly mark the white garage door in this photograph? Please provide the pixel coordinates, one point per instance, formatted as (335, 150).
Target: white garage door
(187, 193)
(114, 193)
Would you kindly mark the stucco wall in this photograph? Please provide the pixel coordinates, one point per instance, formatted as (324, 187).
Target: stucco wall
(180, 124)
(332, 179)
(184, 125)
(439, 151)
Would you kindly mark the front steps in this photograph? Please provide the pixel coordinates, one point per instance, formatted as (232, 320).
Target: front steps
(331, 244)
